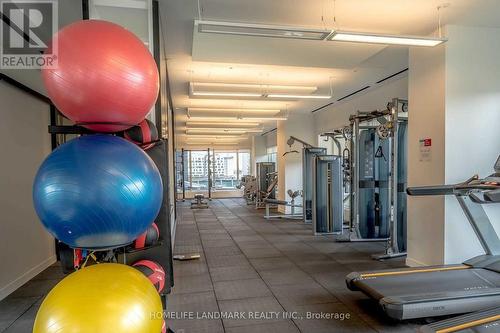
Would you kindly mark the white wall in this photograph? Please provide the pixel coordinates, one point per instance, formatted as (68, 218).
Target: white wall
(25, 247)
(290, 165)
(472, 126)
(454, 99)
(271, 139)
(338, 115)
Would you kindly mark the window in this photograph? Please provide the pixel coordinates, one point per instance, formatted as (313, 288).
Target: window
(271, 154)
(180, 166)
(225, 168)
(244, 165)
(197, 172)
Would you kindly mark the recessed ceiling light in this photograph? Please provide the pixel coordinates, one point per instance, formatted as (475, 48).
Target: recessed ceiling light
(371, 38)
(214, 89)
(234, 110)
(242, 118)
(299, 96)
(215, 137)
(259, 30)
(225, 129)
(227, 124)
(221, 131)
(207, 143)
(224, 94)
(264, 30)
(253, 90)
(251, 86)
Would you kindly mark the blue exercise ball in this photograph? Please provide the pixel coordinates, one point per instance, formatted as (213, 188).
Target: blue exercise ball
(97, 192)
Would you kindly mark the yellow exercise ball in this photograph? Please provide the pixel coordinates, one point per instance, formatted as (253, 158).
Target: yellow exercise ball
(103, 298)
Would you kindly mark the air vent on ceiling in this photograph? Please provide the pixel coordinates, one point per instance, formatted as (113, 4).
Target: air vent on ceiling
(391, 76)
(322, 107)
(270, 131)
(353, 93)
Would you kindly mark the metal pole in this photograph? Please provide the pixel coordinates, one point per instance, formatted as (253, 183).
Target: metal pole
(209, 175)
(394, 248)
(53, 122)
(190, 170)
(355, 178)
(183, 175)
(238, 176)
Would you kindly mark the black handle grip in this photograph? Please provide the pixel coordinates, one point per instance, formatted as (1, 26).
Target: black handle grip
(431, 190)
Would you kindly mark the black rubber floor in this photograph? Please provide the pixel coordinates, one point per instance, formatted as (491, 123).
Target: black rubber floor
(248, 266)
(251, 267)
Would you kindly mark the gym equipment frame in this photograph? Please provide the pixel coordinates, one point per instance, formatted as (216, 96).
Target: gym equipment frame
(390, 215)
(308, 155)
(327, 203)
(266, 182)
(291, 204)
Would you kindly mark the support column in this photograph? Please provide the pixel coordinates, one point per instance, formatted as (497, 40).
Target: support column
(454, 100)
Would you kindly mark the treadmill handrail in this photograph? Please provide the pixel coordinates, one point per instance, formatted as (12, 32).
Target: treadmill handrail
(439, 189)
(473, 184)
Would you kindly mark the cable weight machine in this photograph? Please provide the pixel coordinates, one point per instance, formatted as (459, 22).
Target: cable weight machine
(378, 177)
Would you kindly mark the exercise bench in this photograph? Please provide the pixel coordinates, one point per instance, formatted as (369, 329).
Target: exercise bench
(275, 202)
(199, 202)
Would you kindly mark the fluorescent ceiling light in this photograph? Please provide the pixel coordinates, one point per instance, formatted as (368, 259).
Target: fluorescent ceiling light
(299, 96)
(212, 137)
(264, 30)
(259, 30)
(251, 86)
(225, 94)
(251, 90)
(202, 124)
(212, 143)
(228, 110)
(135, 4)
(221, 131)
(212, 140)
(203, 118)
(358, 37)
(226, 129)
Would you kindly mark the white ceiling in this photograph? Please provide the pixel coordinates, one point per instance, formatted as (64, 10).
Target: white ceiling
(344, 66)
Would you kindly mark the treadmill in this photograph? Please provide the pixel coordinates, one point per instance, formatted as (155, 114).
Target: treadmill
(487, 321)
(430, 291)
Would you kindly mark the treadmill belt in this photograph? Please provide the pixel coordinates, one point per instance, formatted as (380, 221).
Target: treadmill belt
(487, 321)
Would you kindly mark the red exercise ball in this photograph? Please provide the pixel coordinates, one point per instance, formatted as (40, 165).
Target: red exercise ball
(143, 134)
(148, 238)
(106, 78)
(153, 271)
